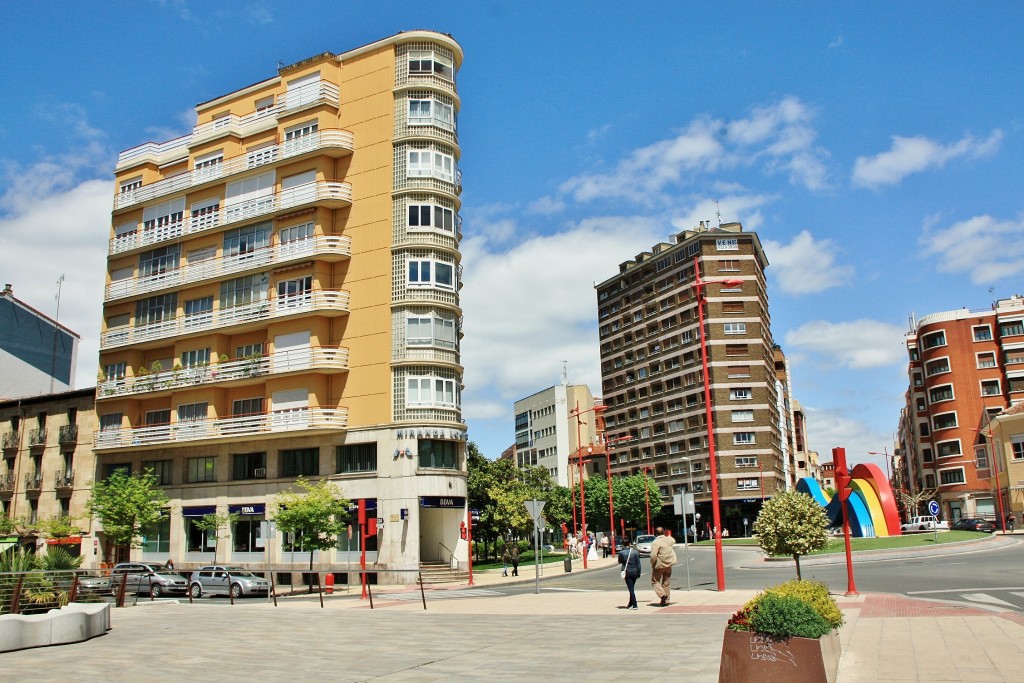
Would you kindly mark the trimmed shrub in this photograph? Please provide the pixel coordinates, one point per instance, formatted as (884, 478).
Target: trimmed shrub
(814, 593)
(784, 616)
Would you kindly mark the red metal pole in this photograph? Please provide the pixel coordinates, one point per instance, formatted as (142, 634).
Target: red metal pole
(843, 483)
(709, 418)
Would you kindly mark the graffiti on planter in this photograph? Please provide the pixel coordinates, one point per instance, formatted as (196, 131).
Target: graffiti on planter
(766, 649)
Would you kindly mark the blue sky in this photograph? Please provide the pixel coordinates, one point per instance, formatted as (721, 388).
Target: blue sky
(875, 147)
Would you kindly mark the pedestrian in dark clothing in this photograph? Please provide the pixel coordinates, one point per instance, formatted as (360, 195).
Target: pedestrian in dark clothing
(515, 559)
(629, 560)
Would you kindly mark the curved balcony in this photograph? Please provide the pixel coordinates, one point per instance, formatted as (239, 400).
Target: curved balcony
(246, 426)
(323, 247)
(323, 302)
(330, 193)
(332, 142)
(324, 359)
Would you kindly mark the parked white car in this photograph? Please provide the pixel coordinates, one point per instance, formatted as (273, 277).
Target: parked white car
(924, 523)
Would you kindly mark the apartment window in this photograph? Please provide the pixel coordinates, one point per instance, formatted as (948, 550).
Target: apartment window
(356, 458)
(981, 457)
(195, 358)
(432, 391)
(202, 469)
(982, 333)
(300, 131)
(743, 416)
(157, 537)
(933, 340)
(438, 454)
(748, 484)
(1017, 445)
(952, 476)
(736, 350)
(746, 462)
(430, 331)
(921, 406)
(115, 370)
(430, 273)
(192, 412)
(300, 138)
(208, 165)
(246, 240)
(163, 470)
(743, 438)
(934, 367)
(296, 233)
(727, 245)
(728, 266)
(929, 481)
(431, 113)
(946, 449)
(428, 62)
(990, 387)
(264, 103)
(944, 421)
(926, 455)
(300, 462)
(158, 261)
(1011, 329)
(918, 380)
(111, 422)
(295, 292)
(129, 186)
(426, 163)
(249, 350)
(733, 307)
(113, 468)
(156, 418)
(249, 466)
(923, 429)
(735, 328)
(431, 216)
(164, 217)
(244, 290)
(248, 196)
(156, 309)
(744, 394)
(199, 311)
(734, 371)
(247, 406)
(940, 393)
(987, 359)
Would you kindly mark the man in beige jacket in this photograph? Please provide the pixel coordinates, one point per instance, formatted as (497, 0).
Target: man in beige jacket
(663, 556)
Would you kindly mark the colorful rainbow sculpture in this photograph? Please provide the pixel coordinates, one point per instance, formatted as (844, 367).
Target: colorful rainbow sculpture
(871, 505)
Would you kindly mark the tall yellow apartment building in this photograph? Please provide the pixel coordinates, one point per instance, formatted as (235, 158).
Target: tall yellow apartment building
(282, 300)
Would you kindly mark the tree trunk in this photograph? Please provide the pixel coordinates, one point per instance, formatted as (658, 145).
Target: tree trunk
(797, 558)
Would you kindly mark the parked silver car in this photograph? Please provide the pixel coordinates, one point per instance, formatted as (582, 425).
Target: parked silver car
(643, 544)
(146, 577)
(214, 580)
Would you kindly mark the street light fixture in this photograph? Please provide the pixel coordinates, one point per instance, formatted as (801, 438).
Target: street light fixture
(888, 462)
(699, 285)
(576, 412)
(997, 464)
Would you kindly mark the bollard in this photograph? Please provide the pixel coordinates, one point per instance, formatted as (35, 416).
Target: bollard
(568, 563)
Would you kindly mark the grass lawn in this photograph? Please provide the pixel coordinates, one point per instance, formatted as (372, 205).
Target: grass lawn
(525, 559)
(837, 545)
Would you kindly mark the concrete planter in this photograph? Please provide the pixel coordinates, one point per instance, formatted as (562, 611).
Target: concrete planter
(749, 656)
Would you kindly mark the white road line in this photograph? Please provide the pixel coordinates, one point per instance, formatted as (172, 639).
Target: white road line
(982, 597)
(961, 590)
(574, 590)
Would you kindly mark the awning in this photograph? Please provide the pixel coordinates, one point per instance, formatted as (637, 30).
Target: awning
(199, 511)
(67, 540)
(249, 509)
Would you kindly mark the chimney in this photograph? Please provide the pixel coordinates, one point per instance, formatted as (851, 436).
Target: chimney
(8, 291)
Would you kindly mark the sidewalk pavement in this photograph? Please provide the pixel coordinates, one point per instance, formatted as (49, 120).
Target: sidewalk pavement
(479, 634)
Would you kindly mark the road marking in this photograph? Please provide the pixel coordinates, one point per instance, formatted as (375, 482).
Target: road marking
(574, 590)
(439, 595)
(982, 597)
(961, 590)
(1019, 595)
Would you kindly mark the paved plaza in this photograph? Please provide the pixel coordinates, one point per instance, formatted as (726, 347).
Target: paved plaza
(482, 634)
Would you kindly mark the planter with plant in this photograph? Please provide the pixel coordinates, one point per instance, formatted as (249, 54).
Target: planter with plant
(787, 633)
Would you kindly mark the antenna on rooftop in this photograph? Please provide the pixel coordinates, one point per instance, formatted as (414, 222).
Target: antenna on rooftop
(56, 328)
(565, 373)
(718, 214)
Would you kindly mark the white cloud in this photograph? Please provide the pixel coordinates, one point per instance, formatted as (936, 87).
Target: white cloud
(837, 43)
(916, 154)
(986, 248)
(857, 344)
(805, 266)
(546, 206)
(779, 137)
(532, 306)
(833, 427)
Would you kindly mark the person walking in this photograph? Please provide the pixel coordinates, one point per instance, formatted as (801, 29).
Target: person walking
(629, 559)
(605, 550)
(663, 556)
(515, 559)
(505, 559)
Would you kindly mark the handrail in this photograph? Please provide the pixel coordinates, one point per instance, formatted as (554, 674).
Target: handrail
(451, 555)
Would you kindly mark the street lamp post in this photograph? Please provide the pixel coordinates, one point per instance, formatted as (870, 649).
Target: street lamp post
(888, 462)
(579, 454)
(699, 286)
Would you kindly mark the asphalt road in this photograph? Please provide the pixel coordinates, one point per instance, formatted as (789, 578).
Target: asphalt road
(982, 575)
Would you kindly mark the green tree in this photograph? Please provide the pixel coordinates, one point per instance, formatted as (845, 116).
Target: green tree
(792, 523)
(8, 526)
(212, 523)
(125, 505)
(315, 513)
(59, 527)
(630, 501)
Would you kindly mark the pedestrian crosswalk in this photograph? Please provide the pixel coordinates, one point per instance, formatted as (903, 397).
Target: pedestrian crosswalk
(1008, 598)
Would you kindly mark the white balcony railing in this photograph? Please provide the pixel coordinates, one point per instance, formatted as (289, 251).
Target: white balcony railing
(320, 300)
(233, 427)
(312, 94)
(321, 245)
(320, 191)
(292, 360)
(320, 140)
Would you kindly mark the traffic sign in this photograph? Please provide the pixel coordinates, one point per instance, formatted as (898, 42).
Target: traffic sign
(933, 508)
(534, 507)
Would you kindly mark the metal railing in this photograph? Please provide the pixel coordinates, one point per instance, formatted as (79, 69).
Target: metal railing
(10, 440)
(35, 592)
(7, 483)
(33, 482)
(67, 434)
(247, 425)
(257, 311)
(317, 191)
(65, 479)
(37, 437)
